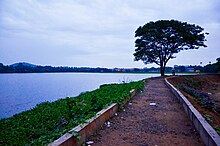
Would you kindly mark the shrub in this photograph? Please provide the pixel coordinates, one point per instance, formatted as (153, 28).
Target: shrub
(193, 83)
(202, 97)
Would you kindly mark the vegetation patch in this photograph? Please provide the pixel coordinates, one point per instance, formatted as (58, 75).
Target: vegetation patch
(48, 121)
(202, 97)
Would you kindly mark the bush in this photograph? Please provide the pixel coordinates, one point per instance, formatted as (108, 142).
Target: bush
(193, 83)
(202, 97)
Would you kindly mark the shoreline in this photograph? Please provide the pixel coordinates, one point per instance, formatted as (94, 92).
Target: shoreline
(166, 73)
(60, 116)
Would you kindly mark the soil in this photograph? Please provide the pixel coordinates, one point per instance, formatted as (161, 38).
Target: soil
(204, 83)
(142, 124)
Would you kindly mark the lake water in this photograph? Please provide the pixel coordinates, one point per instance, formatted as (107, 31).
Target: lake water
(20, 92)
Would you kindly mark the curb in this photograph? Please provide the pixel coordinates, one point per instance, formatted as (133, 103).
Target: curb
(206, 132)
(89, 127)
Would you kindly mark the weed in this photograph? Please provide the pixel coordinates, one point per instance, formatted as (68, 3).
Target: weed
(208, 118)
(202, 97)
(217, 129)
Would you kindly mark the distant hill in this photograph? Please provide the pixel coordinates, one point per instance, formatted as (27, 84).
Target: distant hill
(23, 64)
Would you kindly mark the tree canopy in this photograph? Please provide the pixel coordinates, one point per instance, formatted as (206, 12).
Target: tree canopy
(213, 68)
(157, 42)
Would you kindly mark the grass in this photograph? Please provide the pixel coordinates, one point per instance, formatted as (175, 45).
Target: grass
(48, 121)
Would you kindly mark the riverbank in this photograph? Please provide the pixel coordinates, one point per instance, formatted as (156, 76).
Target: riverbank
(48, 121)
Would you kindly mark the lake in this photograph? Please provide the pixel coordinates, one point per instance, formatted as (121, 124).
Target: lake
(20, 92)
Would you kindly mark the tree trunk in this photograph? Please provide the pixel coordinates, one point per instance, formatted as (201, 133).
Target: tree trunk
(162, 70)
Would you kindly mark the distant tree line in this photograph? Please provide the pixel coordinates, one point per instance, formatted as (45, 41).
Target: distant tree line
(212, 68)
(29, 68)
(41, 69)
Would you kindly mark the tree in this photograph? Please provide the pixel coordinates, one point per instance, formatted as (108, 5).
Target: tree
(213, 68)
(157, 42)
(218, 60)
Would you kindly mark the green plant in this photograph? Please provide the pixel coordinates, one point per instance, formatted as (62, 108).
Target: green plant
(217, 129)
(208, 118)
(193, 83)
(76, 134)
(48, 121)
(203, 98)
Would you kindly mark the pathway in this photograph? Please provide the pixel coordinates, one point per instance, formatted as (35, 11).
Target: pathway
(142, 124)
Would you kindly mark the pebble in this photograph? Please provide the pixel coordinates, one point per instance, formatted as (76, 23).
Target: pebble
(89, 142)
(152, 104)
(108, 124)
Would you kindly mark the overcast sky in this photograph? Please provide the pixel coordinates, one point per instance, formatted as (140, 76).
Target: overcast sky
(97, 33)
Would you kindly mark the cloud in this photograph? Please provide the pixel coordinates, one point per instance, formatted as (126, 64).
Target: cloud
(97, 32)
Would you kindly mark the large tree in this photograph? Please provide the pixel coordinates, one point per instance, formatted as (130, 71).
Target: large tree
(157, 42)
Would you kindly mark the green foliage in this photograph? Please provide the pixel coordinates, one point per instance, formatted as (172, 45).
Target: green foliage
(193, 83)
(48, 121)
(212, 68)
(76, 134)
(208, 118)
(157, 42)
(203, 98)
(217, 129)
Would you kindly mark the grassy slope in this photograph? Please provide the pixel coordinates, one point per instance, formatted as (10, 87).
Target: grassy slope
(48, 121)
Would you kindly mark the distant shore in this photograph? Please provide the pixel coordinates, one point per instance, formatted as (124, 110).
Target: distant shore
(31, 68)
(169, 73)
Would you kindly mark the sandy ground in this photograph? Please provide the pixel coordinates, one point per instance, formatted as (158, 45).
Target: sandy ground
(142, 124)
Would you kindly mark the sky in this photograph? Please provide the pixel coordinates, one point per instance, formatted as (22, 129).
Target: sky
(98, 33)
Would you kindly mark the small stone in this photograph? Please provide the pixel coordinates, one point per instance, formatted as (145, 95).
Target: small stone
(116, 114)
(130, 103)
(152, 104)
(108, 124)
(89, 142)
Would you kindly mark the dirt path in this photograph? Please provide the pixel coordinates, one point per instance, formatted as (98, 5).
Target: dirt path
(140, 124)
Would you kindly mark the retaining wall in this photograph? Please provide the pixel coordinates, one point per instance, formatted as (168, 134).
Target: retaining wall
(206, 132)
(89, 127)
